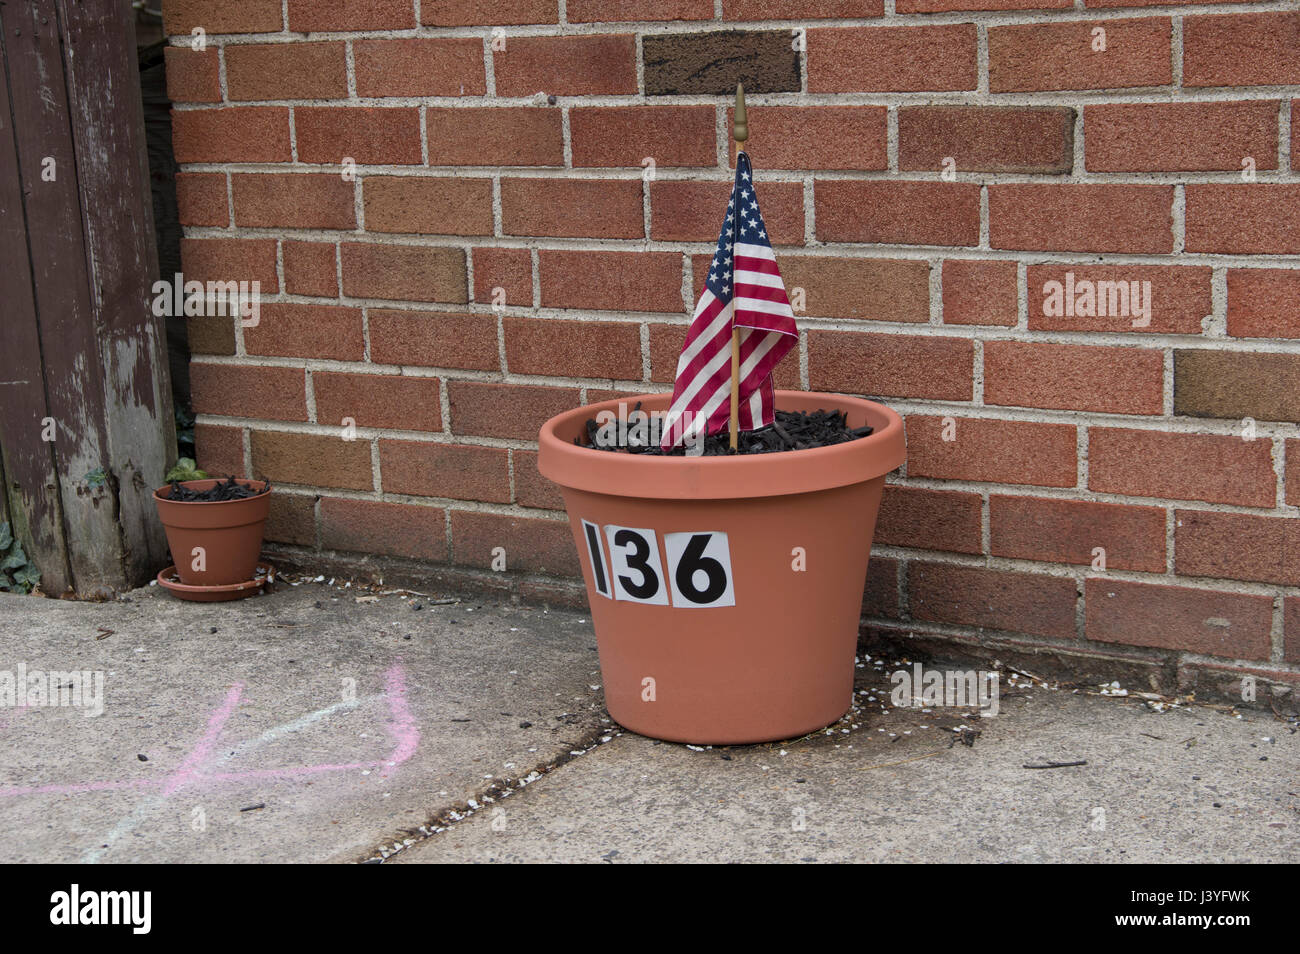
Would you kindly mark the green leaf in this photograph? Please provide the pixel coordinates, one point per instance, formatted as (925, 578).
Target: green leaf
(97, 477)
(15, 559)
(185, 469)
(6, 536)
(28, 576)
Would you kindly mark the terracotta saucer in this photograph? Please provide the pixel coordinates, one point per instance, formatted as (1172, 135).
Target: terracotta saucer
(169, 581)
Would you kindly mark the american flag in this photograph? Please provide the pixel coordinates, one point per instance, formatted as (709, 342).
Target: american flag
(744, 287)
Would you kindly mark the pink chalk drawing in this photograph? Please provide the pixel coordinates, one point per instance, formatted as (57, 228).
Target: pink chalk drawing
(402, 726)
(198, 769)
(194, 761)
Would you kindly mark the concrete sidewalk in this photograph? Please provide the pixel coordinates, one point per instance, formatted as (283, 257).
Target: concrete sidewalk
(307, 726)
(1179, 786)
(350, 724)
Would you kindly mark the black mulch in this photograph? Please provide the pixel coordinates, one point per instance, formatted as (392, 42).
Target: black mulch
(792, 430)
(229, 489)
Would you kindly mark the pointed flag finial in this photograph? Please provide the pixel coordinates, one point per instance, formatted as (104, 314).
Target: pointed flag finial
(740, 125)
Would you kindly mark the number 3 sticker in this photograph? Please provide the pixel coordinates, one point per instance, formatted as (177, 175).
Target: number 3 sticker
(701, 569)
(634, 559)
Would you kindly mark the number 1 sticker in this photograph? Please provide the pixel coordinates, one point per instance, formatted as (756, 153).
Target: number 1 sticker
(701, 569)
(634, 565)
(592, 533)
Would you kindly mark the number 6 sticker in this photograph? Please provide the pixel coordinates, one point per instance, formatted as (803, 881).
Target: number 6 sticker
(634, 565)
(701, 569)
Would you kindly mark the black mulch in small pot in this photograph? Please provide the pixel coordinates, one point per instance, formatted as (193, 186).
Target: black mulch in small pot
(792, 430)
(229, 489)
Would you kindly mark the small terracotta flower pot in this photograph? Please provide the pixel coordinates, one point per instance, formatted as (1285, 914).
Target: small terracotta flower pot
(229, 533)
(726, 591)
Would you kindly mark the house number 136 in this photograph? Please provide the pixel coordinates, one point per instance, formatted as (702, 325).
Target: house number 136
(695, 571)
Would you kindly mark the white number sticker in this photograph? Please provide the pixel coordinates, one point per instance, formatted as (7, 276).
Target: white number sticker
(699, 566)
(634, 565)
(700, 569)
(599, 575)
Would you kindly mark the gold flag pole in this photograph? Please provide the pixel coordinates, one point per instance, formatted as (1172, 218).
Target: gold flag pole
(739, 132)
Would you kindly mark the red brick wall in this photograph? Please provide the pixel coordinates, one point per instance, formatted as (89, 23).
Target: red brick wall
(927, 167)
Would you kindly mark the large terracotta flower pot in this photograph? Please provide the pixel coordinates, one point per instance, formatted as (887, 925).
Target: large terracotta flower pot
(726, 591)
(229, 533)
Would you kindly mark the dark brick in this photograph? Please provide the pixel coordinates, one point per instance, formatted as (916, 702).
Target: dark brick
(211, 334)
(1228, 384)
(681, 63)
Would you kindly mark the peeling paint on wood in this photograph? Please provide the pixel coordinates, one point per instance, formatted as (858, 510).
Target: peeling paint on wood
(89, 255)
(113, 170)
(28, 461)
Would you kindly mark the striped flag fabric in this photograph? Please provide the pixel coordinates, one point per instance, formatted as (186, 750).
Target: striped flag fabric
(744, 289)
